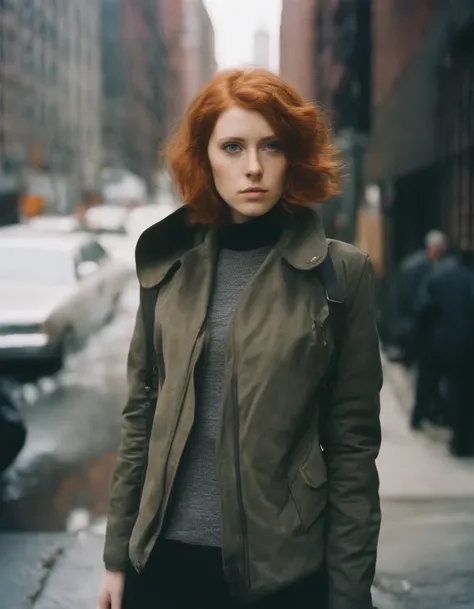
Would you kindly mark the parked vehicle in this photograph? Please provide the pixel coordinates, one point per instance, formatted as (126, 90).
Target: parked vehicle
(106, 219)
(56, 290)
(55, 224)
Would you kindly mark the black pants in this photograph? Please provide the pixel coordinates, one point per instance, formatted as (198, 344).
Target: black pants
(182, 576)
(428, 402)
(459, 378)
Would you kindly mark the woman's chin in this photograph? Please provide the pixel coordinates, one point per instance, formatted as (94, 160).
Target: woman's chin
(250, 209)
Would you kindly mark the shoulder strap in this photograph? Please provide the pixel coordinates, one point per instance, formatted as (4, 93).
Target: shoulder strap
(337, 319)
(335, 298)
(148, 303)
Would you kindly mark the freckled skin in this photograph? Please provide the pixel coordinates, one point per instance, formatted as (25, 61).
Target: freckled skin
(245, 152)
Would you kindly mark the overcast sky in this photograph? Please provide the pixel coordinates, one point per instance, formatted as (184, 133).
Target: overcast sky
(235, 23)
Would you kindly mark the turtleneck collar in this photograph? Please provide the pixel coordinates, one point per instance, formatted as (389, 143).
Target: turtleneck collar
(257, 232)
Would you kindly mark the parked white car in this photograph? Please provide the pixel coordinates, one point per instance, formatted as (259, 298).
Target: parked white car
(55, 224)
(55, 291)
(106, 219)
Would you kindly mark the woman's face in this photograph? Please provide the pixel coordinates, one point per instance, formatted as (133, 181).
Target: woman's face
(247, 162)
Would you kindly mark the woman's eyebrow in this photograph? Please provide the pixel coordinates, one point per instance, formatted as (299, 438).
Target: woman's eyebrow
(242, 139)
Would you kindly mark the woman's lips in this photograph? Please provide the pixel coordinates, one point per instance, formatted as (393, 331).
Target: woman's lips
(254, 194)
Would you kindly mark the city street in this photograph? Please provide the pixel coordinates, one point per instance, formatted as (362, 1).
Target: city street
(56, 493)
(60, 480)
(115, 113)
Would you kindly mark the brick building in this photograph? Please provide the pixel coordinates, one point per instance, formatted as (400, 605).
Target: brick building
(183, 59)
(422, 144)
(173, 32)
(297, 45)
(50, 91)
(135, 67)
(325, 53)
(198, 48)
(421, 152)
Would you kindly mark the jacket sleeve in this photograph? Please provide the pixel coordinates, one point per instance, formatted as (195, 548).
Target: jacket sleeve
(131, 461)
(351, 448)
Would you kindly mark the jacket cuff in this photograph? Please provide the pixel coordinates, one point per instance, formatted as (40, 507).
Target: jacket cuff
(116, 561)
(116, 566)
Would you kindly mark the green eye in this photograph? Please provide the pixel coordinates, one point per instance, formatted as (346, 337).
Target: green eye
(232, 148)
(273, 146)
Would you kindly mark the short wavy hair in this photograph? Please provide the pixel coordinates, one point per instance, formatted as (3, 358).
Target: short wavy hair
(314, 166)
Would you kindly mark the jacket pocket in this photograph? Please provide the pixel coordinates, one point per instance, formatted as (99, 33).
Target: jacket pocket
(308, 487)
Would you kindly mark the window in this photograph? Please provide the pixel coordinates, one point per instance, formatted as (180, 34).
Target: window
(93, 252)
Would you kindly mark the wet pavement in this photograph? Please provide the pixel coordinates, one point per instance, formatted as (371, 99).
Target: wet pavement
(61, 478)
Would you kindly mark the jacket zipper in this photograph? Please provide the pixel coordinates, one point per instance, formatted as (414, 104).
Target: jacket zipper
(191, 367)
(243, 519)
(151, 543)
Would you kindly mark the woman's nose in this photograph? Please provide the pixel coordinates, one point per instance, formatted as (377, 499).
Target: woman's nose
(254, 166)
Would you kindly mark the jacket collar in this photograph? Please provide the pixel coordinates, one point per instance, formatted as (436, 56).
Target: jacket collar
(302, 244)
(161, 247)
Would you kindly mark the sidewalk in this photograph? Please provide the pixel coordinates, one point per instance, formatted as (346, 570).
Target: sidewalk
(62, 571)
(49, 570)
(416, 465)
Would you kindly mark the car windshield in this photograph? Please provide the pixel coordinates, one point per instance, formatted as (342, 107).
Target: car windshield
(40, 265)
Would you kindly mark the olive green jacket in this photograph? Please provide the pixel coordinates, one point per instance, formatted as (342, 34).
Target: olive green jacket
(294, 496)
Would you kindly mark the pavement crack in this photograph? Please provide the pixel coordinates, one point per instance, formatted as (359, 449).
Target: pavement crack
(47, 565)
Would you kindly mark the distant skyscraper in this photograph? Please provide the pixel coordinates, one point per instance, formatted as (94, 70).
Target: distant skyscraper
(261, 52)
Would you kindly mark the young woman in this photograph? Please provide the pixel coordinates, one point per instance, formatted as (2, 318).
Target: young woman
(248, 477)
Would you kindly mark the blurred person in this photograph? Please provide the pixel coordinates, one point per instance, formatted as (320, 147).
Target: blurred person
(253, 482)
(445, 311)
(413, 269)
(429, 403)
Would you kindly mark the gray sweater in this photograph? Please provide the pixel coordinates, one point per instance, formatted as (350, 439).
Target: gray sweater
(195, 508)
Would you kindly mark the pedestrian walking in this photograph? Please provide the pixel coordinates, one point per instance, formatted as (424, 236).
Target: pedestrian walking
(412, 335)
(413, 269)
(246, 473)
(445, 310)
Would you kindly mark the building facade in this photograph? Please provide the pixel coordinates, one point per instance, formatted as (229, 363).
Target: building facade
(342, 77)
(421, 152)
(135, 67)
(297, 40)
(156, 55)
(420, 157)
(398, 81)
(172, 12)
(325, 52)
(50, 92)
(198, 48)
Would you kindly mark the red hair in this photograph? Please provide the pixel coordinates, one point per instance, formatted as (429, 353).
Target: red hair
(313, 172)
